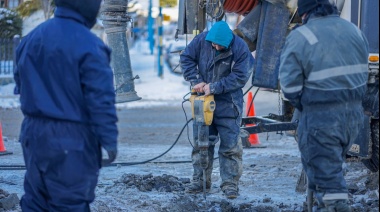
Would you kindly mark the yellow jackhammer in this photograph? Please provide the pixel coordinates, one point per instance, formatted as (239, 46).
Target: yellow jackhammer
(202, 108)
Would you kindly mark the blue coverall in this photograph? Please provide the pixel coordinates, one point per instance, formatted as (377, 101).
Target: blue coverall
(323, 73)
(227, 72)
(65, 83)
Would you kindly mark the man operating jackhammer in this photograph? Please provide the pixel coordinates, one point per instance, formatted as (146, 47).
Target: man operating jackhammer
(218, 62)
(65, 83)
(323, 73)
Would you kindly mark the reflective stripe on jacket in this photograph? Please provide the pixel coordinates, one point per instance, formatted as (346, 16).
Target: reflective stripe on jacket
(324, 62)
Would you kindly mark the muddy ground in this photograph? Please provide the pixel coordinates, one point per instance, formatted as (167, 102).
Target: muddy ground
(268, 183)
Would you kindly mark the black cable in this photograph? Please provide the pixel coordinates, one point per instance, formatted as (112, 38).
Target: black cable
(175, 68)
(176, 35)
(12, 167)
(250, 104)
(21, 167)
(187, 126)
(146, 161)
(248, 90)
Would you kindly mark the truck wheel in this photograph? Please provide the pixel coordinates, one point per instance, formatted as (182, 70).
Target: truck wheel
(373, 163)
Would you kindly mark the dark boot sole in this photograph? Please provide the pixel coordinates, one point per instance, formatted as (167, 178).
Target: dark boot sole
(196, 191)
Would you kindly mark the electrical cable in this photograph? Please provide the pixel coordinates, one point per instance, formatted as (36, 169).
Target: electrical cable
(250, 104)
(248, 90)
(162, 154)
(187, 126)
(21, 167)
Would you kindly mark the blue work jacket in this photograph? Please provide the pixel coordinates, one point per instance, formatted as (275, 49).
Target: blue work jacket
(63, 73)
(227, 71)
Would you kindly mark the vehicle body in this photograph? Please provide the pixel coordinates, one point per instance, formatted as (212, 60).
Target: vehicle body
(265, 28)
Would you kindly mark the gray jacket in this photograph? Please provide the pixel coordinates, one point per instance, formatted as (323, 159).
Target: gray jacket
(324, 62)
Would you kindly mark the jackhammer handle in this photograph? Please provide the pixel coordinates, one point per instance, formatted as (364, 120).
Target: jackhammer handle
(198, 94)
(193, 92)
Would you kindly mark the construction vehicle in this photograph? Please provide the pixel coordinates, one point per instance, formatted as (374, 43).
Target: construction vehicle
(265, 26)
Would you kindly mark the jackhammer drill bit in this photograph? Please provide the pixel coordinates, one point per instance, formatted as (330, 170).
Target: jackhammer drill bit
(204, 165)
(204, 183)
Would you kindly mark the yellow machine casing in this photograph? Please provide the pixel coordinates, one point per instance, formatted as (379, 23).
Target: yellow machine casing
(202, 108)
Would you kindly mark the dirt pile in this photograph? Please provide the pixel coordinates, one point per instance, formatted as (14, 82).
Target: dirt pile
(146, 183)
(7, 201)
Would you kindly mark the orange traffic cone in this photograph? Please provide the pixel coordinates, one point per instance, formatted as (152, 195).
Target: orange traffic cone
(253, 138)
(3, 151)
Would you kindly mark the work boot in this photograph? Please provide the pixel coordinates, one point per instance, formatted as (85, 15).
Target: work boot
(231, 192)
(197, 187)
(335, 206)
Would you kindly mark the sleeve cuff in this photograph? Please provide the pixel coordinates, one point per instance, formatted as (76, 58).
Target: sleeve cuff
(195, 82)
(213, 88)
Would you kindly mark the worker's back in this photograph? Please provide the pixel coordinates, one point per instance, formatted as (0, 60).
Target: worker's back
(330, 46)
(55, 79)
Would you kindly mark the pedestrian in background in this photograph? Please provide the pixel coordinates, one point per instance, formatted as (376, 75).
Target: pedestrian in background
(218, 62)
(323, 73)
(67, 97)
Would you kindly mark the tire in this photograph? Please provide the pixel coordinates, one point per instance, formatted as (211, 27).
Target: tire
(373, 163)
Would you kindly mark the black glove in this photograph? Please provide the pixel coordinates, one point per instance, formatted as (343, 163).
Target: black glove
(111, 157)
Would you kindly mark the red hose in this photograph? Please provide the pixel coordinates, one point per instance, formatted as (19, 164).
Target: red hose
(241, 7)
(249, 7)
(227, 6)
(236, 6)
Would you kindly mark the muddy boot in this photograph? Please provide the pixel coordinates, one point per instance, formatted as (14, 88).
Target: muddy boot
(196, 186)
(230, 191)
(337, 205)
(334, 206)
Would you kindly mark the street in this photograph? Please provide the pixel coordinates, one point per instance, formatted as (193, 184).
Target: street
(268, 183)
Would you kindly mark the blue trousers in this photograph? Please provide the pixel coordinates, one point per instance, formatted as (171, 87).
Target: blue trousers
(230, 152)
(62, 165)
(326, 133)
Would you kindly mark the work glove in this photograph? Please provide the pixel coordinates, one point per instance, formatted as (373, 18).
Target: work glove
(111, 157)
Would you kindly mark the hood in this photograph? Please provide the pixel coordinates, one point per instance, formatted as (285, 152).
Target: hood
(87, 8)
(305, 6)
(221, 34)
